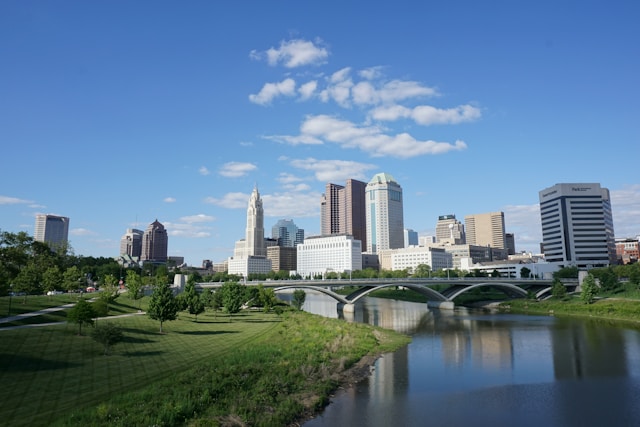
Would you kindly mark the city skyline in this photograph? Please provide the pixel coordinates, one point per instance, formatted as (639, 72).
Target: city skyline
(116, 115)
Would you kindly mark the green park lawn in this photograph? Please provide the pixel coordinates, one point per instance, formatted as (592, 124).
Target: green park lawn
(209, 372)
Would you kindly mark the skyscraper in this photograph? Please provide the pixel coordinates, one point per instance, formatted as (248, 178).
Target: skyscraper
(131, 243)
(250, 254)
(486, 229)
(410, 237)
(384, 213)
(154, 243)
(450, 230)
(577, 225)
(287, 233)
(342, 210)
(52, 229)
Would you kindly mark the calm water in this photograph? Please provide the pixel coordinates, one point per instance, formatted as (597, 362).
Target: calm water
(468, 368)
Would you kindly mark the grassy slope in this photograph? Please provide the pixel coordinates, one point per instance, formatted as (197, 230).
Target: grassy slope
(49, 372)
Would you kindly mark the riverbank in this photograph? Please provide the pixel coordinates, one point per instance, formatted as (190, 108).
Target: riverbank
(280, 378)
(604, 308)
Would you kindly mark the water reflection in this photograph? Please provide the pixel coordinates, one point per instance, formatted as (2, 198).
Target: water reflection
(473, 368)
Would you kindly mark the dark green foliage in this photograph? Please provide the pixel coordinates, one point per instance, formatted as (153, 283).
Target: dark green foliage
(422, 270)
(191, 298)
(267, 298)
(589, 289)
(566, 273)
(299, 296)
(558, 290)
(82, 313)
(233, 296)
(525, 273)
(162, 306)
(134, 285)
(108, 334)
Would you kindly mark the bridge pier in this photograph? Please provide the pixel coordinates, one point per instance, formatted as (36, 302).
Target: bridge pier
(348, 308)
(443, 305)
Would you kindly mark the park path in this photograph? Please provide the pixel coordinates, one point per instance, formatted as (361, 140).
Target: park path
(22, 316)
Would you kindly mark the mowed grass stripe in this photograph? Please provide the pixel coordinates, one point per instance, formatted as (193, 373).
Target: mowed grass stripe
(50, 370)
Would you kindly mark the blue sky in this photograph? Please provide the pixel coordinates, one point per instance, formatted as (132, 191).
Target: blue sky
(119, 113)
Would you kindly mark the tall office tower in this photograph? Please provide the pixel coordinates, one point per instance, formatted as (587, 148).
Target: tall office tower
(52, 229)
(342, 210)
(384, 214)
(450, 230)
(254, 234)
(410, 237)
(577, 225)
(511, 243)
(131, 243)
(486, 229)
(287, 233)
(154, 243)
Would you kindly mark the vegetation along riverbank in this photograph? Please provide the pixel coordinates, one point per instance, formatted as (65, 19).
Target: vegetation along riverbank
(252, 368)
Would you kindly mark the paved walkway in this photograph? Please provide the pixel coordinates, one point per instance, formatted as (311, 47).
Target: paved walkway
(22, 316)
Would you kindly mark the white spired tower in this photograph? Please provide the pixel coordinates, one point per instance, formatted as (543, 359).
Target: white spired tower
(384, 214)
(254, 234)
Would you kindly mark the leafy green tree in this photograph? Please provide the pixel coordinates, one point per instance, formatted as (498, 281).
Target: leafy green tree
(634, 275)
(28, 280)
(192, 299)
(162, 306)
(299, 297)
(134, 286)
(566, 273)
(52, 279)
(82, 313)
(495, 273)
(72, 279)
(608, 279)
(108, 334)
(558, 290)
(267, 298)
(422, 270)
(233, 295)
(525, 273)
(216, 301)
(589, 289)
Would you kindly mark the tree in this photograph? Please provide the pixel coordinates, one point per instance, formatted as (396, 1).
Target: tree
(525, 273)
(108, 334)
(566, 273)
(109, 290)
(28, 280)
(267, 298)
(72, 279)
(134, 286)
(558, 289)
(422, 270)
(81, 313)
(162, 306)
(52, 279)
(215, 301)
(192, 298)
(299, 296)
(589, 289)
(232, 297)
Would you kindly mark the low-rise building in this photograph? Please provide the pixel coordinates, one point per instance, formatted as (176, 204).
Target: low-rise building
(322, 254)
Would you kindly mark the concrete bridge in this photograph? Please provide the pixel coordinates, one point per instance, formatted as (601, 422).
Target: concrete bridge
(440, 292)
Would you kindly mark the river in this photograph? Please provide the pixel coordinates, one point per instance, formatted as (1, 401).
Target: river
(471, 368)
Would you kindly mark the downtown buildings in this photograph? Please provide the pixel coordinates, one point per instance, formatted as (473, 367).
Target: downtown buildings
(154, 243)
(342, 210)
(52, 229)
(384, 213)
(577, 225)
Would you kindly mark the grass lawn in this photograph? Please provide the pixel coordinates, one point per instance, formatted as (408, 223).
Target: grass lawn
(49, 371)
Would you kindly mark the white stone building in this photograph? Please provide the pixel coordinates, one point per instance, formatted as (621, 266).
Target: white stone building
(323, 254)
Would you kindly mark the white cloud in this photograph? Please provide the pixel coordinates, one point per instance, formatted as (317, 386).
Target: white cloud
(333, 170)
(197, 218)
(292, 204)
(5, 200)
(294, 53)
(82, 232)
(236, 169)
(230, 200)
(366, 93)
(169, 200)
(371, 73)
(203, 171)
(427, 115)
(370, 139)
(269, 91)
(307, 90)
(524, 222)
(187, 230)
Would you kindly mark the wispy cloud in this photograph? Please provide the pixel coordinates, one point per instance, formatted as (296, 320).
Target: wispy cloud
(236, 169)
(203, 171)
(230, 200)
(82, 232)
(270, 91)
(6, 200)
(169, 200)
(427, 115)
(287, 204)
(368, 138)
(294, 53)
(524, 222)
(625, 204)
(333, 170)
(191, 219)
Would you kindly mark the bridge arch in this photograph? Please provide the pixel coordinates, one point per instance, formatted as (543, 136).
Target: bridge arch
(337, 297)
(508, 288)
(421, 289)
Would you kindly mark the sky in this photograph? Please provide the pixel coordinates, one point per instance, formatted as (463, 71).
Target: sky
(118, 113)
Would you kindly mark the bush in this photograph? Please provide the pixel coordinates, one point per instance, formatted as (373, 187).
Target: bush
(108, 334)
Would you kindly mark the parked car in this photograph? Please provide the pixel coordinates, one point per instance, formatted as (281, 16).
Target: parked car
(91, 289)
(54, 293)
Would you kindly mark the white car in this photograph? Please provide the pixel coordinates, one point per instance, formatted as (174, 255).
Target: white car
(54, 293)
